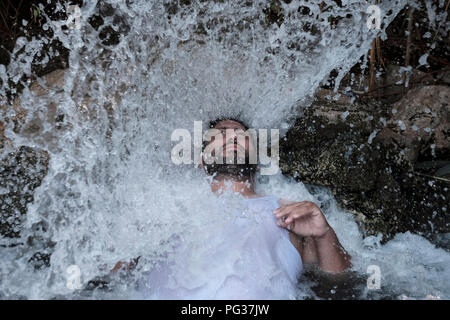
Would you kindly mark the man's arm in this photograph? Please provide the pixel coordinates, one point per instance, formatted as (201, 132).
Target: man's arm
(332, 257)
(311, 235)
(306, 247)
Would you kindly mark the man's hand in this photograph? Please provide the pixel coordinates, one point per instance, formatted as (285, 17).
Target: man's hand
(302, 218)
(306, 220)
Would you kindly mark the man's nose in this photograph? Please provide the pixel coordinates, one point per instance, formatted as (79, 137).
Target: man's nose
(230, 135)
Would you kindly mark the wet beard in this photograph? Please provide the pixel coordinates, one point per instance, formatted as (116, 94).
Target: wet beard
(236, 171)
(233, 170)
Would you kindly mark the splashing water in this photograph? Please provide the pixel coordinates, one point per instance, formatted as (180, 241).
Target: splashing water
(112, 192)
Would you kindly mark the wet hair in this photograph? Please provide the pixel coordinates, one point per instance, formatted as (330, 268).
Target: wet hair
(215, 122)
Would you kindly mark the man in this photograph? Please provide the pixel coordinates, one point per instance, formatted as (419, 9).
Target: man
(309, 231)
(226, 158)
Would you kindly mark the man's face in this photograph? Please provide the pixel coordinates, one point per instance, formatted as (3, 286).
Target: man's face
(231, 151)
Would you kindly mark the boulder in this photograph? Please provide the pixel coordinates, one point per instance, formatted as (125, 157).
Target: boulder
(21, 172)
(340, 146)
(23, 168)
(420, 120)
(332, 145)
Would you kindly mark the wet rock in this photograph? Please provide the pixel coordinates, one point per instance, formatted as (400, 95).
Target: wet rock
(40, 260)
(2, 134)
(96, 21)
(53, 56)
(444, 77)
(23, 121)
(109, 36)
(392, 84)
(5, 56)
(99, 283)
(411, 203)
(273, 13)
(338, 145)
(419, 121)
(331, 145)
(21, 172)
(106, 9)
(110, 22)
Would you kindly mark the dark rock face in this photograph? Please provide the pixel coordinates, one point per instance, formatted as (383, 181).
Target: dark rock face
(21, 172)
(40, 260)
(420, 120)
(53, 61)
(339, 146)
(329, 146)
(109, 34)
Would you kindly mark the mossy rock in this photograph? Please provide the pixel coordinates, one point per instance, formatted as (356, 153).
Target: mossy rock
(337, 146)
(21, 172)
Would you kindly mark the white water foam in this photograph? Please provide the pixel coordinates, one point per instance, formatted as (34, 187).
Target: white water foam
(111, 191)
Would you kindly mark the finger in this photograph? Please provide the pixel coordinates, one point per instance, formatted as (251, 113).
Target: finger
(281, 208)
(282, 211)
(301, 212)
(283, 224)
(283, 218)
(292, 205)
